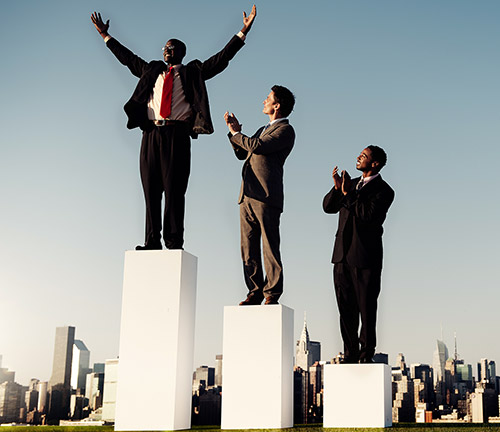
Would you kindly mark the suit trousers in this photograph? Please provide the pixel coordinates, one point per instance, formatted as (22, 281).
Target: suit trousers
(260, 221)
(357, 291)
(165, 163)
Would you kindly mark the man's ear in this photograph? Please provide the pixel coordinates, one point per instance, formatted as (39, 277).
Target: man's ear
(277, 106)
(376, 165)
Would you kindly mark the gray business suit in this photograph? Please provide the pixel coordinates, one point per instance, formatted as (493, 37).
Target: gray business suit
(261, 204)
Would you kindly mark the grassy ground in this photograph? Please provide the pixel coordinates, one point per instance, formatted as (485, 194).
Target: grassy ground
(400, 427)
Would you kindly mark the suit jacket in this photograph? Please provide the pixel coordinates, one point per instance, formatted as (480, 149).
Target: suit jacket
(359, 236)
(264, 158)
(193, 77)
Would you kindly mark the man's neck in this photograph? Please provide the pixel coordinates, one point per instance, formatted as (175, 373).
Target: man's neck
(274, 116)
(369, 173)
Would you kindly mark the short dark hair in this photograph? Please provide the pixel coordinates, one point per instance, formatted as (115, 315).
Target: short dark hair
(180, 46)
(285, 98)
(379, 155)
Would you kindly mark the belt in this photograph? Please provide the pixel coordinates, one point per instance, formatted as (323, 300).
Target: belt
(168, 122)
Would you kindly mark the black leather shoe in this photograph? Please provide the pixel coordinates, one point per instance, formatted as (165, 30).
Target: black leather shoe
(271, 300)
(349, 360)
(367, 360)
(252, 300)
(149, 247)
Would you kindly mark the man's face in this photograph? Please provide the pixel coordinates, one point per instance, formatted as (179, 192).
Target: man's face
(364, 162)
(270, 104)
(172, 54)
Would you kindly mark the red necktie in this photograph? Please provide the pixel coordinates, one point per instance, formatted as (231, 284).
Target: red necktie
(166, 96)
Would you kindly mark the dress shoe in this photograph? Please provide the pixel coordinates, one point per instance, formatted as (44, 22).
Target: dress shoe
(149, 247)
(349, 360)
(271, 300)
(366, 360)
(252, 300)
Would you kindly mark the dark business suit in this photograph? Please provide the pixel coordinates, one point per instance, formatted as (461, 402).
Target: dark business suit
(357, 258)
(261, 204)
(166, 150)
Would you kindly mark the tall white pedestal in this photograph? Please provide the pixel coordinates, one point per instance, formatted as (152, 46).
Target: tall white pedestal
(257, 367)
(357, 395)
(156, 341)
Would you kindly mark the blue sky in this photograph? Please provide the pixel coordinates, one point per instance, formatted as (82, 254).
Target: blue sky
(418, 78)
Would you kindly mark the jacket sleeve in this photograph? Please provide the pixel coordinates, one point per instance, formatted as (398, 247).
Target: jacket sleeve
(127, 57)
(333, 200)
(281, 138)
(218, 62)
(238, 151)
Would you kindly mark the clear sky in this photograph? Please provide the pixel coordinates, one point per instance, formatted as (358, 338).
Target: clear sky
(418, 78)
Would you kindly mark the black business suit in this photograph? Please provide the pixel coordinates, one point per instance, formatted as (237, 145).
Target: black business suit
(261, 204)
(166, 150)
(357, 258)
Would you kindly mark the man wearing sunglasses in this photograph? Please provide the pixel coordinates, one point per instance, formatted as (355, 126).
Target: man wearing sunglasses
(170, 105)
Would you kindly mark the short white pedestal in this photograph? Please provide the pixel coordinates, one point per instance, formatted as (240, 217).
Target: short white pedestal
(357, 395)
(156, 341)
(257, 367)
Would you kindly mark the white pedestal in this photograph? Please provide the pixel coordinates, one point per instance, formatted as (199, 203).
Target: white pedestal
(257, 367)
(156, 341)
(357, 395)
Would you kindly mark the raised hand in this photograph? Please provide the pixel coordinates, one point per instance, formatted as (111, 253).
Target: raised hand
(346, 182)
(248, 20)
(99, 24)
(232, 122)
(337, 181)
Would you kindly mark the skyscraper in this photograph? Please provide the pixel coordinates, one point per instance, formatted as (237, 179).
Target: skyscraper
(60, 381)
(80, 365)
(439, 361)
(307, 352)
(63, 355)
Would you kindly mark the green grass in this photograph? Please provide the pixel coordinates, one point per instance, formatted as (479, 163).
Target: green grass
(399, 427)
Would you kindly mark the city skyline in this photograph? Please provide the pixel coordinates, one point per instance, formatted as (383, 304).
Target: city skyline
(419, 79)
(302, 342)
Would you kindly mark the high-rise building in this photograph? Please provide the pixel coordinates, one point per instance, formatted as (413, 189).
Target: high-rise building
(5, 374)
(307, 352)
(42, 388)
(60, 381)
(63, 355)
(203, 378)
(11, 401)
(80, 365)
(94, 389)
(218, 370)
(109, 391)
(439, 361)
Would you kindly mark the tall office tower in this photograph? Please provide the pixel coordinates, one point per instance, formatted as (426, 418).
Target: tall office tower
(307, 352)
(31, 396)
(94, 389)
(439, 361)
(403, 407)
(11, 401)
(109, 391)
(203, 378)
(401, 364)
(80, 365)
(315, 400)
(483, 375)
(42, 396)
(422, 376)
(218, 370)
(63, 355)
(60, 381)
(300, 395)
